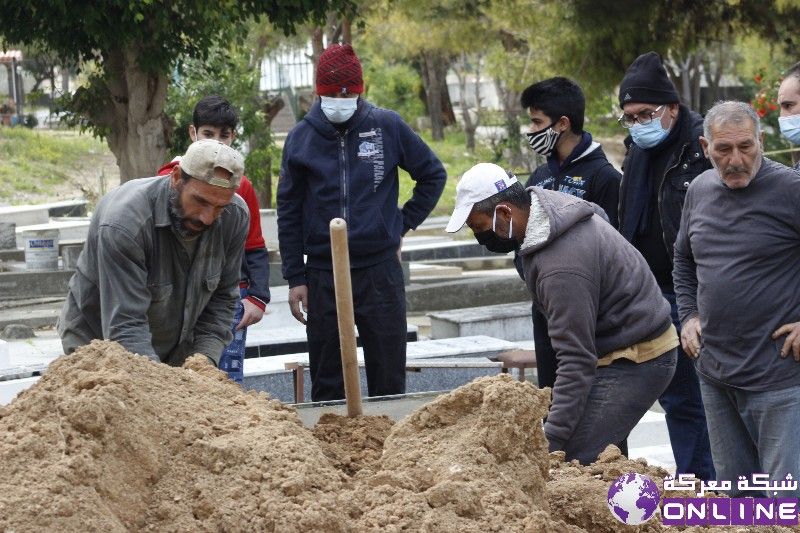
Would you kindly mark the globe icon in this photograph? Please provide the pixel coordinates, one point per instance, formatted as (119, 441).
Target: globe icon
(633, 498)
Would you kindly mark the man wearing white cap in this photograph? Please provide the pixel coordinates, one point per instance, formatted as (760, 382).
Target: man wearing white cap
(608, 322)
(159, 272)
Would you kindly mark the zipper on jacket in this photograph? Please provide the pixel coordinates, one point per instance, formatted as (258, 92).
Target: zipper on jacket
(660, 191)
(343, 174)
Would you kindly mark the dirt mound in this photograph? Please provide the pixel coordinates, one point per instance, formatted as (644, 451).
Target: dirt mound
(110, 441)
(352, 444)
(472, 460)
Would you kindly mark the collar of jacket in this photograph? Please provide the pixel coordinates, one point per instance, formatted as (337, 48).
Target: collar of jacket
(319, 121)
(161, 207)
(579, 151)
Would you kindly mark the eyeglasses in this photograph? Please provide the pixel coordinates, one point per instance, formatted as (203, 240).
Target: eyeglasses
(645, 117)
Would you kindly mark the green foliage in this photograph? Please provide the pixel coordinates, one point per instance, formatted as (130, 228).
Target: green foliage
(225, 72)
(122, 39)
(158, 30)
(392, 85)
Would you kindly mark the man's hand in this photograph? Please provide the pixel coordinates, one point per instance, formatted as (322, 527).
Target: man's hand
(299, 295)
(792, 342)
(690, 337)
(252, 314)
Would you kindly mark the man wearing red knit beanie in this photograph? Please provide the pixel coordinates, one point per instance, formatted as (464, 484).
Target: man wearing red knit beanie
(341, 160)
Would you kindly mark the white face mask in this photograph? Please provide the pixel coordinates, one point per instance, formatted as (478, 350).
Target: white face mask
(339, 110)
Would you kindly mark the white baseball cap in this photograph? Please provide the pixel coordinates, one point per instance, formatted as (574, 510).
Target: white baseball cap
(203, 156)
(482, 181)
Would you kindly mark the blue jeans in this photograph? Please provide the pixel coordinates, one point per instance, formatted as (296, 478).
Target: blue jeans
(621, 394)
(232, 358)
(685, 416)
(753, 432)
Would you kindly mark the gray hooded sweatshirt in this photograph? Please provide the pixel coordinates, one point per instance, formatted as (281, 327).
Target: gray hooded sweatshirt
(594, 288)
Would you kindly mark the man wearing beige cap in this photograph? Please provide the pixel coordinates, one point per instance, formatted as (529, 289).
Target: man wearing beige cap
(610, 327)
(159, 272)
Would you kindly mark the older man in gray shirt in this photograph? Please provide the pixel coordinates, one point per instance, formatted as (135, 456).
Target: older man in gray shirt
(160, 270)
(737, 280)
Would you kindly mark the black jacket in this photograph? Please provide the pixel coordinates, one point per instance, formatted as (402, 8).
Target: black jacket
(685, 163)
(589, 177)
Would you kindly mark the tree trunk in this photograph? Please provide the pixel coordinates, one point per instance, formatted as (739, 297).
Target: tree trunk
(64, 80)
(347, 32)
(448, 113)
(271, 109)
(696, 75)
(511, 111)
(433, 94)
(134, 115)
(462, 70)
(317, 47)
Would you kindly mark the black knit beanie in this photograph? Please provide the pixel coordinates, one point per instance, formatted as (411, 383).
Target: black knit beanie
(646, 81)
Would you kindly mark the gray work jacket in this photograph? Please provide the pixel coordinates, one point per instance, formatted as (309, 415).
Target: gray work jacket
(136, 284)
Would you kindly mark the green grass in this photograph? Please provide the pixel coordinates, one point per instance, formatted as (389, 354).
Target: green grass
(34, 162)
(456, 159)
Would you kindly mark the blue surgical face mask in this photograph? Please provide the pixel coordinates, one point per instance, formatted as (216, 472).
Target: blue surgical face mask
(790, 128)
(338, 110)
(649, 135)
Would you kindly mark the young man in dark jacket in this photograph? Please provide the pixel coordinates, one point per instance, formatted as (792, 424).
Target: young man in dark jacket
(215, 118)
(341, 161)
(575, 165)
(664, 156)
(609, 325)
(789, 102)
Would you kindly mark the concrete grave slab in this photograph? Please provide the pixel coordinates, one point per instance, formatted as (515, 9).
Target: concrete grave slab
(68, 229)
(465, 292)
(504, 321)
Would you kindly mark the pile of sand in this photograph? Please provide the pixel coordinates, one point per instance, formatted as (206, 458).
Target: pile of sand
(110, 441)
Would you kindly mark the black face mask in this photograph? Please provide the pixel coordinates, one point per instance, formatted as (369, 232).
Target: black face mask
(494, 243)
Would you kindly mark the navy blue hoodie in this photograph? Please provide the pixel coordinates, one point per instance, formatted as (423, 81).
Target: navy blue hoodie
(351, 172)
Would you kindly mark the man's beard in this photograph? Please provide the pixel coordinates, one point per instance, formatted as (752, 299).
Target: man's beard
(178, 219)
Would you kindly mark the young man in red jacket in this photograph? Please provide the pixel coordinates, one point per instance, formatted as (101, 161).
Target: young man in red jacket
(215, 118)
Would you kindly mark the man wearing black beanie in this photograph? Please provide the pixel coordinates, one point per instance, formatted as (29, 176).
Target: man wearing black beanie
(664, 156)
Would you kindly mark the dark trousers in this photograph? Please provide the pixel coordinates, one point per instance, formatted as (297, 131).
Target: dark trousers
(621, 394)
(546, 363)
(686, 417)
(379, 304)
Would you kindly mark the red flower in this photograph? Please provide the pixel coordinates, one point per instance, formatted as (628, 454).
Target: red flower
(772, 107)
(757, 78)
(761, 112)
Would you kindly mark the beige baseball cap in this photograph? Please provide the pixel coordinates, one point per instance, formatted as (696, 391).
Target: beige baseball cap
(203, 156)
(482, 181)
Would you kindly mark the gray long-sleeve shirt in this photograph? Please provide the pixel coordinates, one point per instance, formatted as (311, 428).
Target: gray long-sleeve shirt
(737, 267)
(136, 284)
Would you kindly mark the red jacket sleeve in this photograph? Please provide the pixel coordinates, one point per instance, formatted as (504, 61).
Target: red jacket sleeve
(254, 237)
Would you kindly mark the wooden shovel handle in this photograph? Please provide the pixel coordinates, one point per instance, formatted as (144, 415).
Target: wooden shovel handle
(344, 314)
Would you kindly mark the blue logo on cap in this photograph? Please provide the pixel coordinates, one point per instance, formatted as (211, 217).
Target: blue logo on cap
(501, 185)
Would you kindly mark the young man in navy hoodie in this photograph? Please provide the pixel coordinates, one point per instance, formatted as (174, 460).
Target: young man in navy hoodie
(341, 161)
(576, 165)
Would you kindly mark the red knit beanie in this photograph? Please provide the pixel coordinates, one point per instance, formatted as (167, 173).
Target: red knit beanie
(339, 70)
